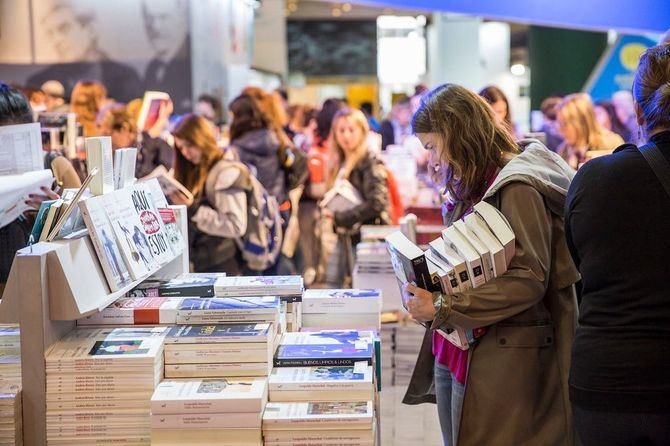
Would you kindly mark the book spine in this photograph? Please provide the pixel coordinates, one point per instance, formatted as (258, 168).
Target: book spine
(207, 421)
(196, 406)
(110, 316)
(346, 305)
(321, 362)
(199, 356)
(321, 386)
(260, 339)
(223, 319)
(216, 370)
(188, 291)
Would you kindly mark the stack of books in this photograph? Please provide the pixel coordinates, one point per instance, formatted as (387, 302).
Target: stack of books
(342, 308)
(292, 311)
(11, 425)
(136, 311)
(10, 359)
(99, 385)
(321, 384)
(225, 412)
(319, 423)
(408, 339)
(289, 288)
(373, 269)
(230, 310)
(185, 285)
(207, 351)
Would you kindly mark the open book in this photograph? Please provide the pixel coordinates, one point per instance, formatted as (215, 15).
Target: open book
(168, 184)
(341, 197)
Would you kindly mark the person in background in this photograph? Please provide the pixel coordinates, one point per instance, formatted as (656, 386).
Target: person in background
(354, 163)
(617, 223)
(550, 124)
(625, 111)
(524, 319)
(87, 99)
(395, 129)
(581, 131)
(209, 107)
(218, 215)
(607, 117)
(319, 165)
(36, 98)
(500, 105)
(305, 139)
(54, 93)
(367, 109)
(15, 109)
(281, 94)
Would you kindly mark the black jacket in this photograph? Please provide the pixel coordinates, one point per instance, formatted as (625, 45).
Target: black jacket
(387, 132)
(259, 149)
(369, 178)
(618, 231)
(153, 152)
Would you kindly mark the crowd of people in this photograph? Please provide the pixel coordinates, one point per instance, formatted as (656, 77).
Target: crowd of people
(610, 237)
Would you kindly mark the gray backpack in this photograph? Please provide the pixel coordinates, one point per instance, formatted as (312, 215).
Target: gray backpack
(261, 244)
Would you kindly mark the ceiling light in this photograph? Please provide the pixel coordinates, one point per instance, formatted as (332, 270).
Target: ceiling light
(336, 12)
(518, 69)
(346, 7)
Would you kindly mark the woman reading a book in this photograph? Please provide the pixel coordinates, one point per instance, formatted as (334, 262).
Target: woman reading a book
(510, 386)
(218, 215)
(358, 168)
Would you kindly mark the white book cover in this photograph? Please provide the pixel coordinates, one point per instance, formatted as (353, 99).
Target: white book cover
(215, 395)
(340, 437)
(343, 196)
(136, 311)
(124, 167)
(220, 334)
(207, 370)
(258, 286)
(480, 248)
(231, 420)
(102, 333)
(20, 149)
(167, 214)
(318, 414)
(99, 154)
(458, 243)
(152, 223)
(451, 257)
(216, 353)
(499, 226)
(130, 234)
(497, 251)
(346, 301)
(104, 354)
(104, 241)
(358, 377)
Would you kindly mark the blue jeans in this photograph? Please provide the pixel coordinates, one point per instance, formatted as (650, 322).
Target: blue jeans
(449, 393)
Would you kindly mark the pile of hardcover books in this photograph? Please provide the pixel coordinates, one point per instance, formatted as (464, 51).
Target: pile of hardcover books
(374, 269)
(99, 385)
(11, 426)
(225, 412)
(208, 351)
(343, 309)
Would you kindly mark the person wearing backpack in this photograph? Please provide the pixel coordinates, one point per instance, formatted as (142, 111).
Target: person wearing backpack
(218, 215)
(367, 174)
(617, 224)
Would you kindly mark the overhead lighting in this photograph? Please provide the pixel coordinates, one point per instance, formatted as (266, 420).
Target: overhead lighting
(292, 7)
(346, 7)
(337, 12)
(518, 69)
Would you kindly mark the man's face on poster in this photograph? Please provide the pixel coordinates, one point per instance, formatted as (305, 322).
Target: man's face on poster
(69, 33)
(166, 23)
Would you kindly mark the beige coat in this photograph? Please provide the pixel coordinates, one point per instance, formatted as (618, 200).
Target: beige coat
(517, 391)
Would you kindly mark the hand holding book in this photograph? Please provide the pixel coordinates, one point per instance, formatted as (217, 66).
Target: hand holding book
(419, 303)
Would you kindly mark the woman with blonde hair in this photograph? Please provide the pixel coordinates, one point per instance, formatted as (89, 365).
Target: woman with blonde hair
(509, 387)
(356, 166)
(218, 214)
(88, 98)
(582, 133)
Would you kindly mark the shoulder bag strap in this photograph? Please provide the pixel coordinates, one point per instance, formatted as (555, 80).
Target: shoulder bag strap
(658, 163)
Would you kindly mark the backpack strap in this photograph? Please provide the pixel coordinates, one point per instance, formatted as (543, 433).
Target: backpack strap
(658, 163)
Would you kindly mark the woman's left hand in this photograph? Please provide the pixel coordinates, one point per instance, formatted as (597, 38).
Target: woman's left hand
(35, 200)
(419, 303)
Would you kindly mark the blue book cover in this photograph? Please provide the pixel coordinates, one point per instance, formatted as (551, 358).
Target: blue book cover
(39, 221)
(232, 332)
(266, 304)
(306, 355)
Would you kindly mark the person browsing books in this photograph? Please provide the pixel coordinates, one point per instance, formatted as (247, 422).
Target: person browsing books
(218, 215)
(510, 387)
(617, 224)
(355, 167)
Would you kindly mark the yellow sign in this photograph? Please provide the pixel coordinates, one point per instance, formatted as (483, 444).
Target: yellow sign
(630, 55)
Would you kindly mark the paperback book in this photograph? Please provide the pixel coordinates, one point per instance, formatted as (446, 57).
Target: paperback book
(185, 285)
(324, 415)
(136, 311)
(330, 383)
(229, 309)
(241, 286)
(168, 216)
(220, 334)
(499, 226)
(152, 223)
(325, 348)
(346, 301)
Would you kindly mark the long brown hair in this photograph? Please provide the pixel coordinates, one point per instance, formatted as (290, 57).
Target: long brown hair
(493, 94)
(473, 142)
(86, 101)
(344, 163)
(198, 132)
(651, 87)
(247, 116)
(270, 105)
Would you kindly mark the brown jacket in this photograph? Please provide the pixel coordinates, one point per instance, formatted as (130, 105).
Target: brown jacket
(516, 391)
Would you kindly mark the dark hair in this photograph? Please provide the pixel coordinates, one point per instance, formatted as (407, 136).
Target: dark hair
(215, 103)
(367, 107)
(14, 106)
(324, 119)
(420, 89)
(617, 126)
(404, 102)
(283, 93)
(651, 87)
(493, 94)
(549, 107)
(247, 116)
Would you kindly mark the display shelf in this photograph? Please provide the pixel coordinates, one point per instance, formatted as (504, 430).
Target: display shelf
(50, 286)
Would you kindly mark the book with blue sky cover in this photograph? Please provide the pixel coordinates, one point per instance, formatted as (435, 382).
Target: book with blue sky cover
(195, 334)
(325, 348)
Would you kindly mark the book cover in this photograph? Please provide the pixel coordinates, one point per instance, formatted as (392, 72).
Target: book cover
(124, 167)
(234, 369)
(325, 348)
(235, 333)
(499, 226)
(345, 301)
(354, 413)
(445, 272)
(462, 246)
(214, 395)
(230, 420)
(451, 257)
(130, 235)
(198, 285)
(150, 110)
(258, 286)
(168, 185)
(172, 229)
(40, 220)
(480, 248)
(136, 311)
(322, 378)
(230, 305)
(99, 155)
(105, 243)
(152, 223)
